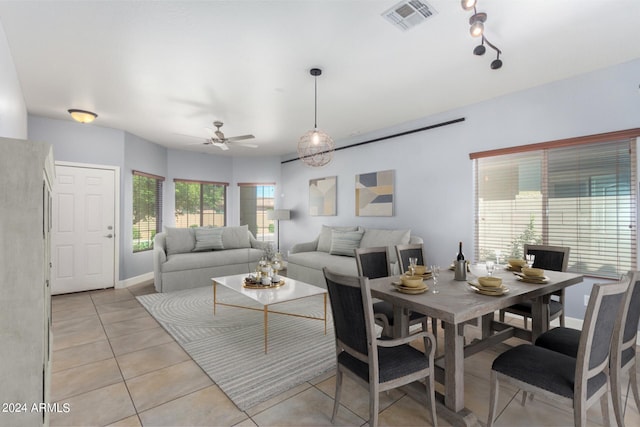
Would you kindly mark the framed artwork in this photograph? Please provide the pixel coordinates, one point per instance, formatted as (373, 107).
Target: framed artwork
(323, 194)
(374, 193)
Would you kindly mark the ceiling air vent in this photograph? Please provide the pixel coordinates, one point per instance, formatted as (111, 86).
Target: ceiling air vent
(407, 14)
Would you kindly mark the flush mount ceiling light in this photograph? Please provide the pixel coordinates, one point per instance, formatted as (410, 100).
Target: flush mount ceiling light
(476, 22)
(315, 147)
(82, 116)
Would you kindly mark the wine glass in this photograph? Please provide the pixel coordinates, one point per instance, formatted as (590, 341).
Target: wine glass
(491, 266)
(530, 258)
(435, 273)
(413, 261)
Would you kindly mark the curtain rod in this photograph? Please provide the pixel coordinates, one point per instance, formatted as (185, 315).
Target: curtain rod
(357, 144)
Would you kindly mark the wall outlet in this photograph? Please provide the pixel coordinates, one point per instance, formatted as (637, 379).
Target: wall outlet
(586, 300)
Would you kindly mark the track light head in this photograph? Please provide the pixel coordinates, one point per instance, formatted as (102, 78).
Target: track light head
(477, 23)
(496, 63)
(480, 49)
(468, 4)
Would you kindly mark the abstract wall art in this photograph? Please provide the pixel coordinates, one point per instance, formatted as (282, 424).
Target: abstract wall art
(323, 196)
(374, 193)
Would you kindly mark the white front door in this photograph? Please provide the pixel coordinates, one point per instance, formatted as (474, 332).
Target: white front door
(83, 234)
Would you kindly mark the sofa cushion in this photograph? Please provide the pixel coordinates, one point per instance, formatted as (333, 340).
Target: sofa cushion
(194, 260)
(345, 242)
(324, 239)
(378, 237)
(209, 239)
(236, 237)
(180, 240)
(317, 260)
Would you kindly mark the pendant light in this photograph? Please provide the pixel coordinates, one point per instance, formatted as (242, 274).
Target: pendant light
(315, 147)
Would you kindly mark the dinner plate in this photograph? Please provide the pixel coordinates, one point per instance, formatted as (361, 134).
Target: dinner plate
(412, 291)
(495, 292)
(532, 279)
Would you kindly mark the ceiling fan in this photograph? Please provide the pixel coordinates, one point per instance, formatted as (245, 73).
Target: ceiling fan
(218, 138)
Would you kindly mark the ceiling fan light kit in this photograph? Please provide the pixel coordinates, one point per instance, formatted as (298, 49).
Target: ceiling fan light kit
(315, 147)
(476, 29)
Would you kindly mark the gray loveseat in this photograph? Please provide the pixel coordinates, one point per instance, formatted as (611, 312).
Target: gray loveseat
(334, 249)
(189, 257)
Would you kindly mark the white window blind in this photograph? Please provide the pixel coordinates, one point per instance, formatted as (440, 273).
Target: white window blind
(147, 209)
(582, 195)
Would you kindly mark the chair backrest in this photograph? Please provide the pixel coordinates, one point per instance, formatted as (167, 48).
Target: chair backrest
(594, 348)
(373, 262)
(555, 258)
(404, 252)
(624, 337)
(352, 310)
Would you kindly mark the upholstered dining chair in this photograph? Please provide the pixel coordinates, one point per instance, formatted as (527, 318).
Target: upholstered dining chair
(623, 345)
(414, 250)
(554, 258)
(374, 263)
(579, 381)
(378, 364)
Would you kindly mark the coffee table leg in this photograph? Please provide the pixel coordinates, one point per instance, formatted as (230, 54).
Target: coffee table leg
(214, 297)
(266, 326)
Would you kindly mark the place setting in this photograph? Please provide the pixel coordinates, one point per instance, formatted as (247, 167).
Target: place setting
(411, 284)
(488, 285)
(532, 275)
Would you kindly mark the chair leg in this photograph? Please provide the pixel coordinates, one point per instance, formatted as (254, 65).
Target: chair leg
(633, 379)
(616, 394)
(431, 399)
(493, 400)
(604, 407)
(579, 413)
(336, 400)
(562, 318)
(374, 405)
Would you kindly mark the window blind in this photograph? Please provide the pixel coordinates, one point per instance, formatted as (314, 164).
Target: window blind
(579, 195)
(147, 209)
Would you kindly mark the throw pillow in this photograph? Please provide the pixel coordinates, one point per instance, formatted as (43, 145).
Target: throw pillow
(345, 242)
(236, 237)
(324, 239)
(209, 239)
(180, 240)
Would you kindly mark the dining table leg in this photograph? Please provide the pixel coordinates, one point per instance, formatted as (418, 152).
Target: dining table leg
(539, 316)
(454, 366)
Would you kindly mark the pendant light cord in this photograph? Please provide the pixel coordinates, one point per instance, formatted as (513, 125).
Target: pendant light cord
(315, 117)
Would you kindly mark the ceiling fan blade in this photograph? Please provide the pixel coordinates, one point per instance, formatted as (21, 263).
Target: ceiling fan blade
(244, 144)
(221, 145)
(240, 138)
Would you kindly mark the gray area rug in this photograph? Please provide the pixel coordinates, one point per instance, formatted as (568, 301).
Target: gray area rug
(229, 346)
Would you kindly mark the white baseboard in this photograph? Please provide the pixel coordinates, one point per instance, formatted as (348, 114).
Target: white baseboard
(137, 280)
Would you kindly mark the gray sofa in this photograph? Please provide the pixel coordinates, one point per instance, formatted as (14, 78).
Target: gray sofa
(189, 257)
(334, 248)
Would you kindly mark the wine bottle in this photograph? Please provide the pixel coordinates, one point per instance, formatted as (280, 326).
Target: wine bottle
(460, 256)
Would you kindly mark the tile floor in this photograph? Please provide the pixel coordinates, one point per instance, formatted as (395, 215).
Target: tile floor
(114, 365)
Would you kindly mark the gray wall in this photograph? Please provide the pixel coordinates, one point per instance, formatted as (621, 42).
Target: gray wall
(13, 112)
(433, 172)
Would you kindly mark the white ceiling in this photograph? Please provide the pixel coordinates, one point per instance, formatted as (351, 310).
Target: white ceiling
(161, 70)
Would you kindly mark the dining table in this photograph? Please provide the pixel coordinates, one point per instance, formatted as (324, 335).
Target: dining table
(458, 304)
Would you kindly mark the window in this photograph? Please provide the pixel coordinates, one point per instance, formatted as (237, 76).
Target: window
(579, 193)
(147, 209)
(200, 203)
(255, 201)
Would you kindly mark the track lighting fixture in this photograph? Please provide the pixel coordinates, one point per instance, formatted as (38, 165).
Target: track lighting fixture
(476, 29)
(468, 4)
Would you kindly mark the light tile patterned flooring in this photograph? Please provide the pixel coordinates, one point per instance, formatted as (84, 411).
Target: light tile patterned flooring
(115, 365)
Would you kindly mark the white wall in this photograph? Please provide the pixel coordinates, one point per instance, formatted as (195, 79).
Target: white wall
(434, 175)
(13, 112)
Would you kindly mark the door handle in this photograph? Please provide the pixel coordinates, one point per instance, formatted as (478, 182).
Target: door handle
(109, 235)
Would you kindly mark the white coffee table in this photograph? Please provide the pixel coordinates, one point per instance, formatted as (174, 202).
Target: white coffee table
(291, 290)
